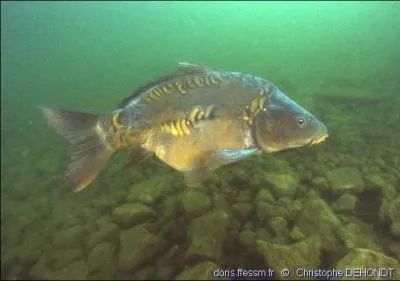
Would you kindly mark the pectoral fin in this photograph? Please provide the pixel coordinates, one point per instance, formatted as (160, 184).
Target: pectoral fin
(233, 155)
(214, 159)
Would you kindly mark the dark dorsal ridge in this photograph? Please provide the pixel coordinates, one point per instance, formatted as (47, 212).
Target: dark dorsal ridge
(184, 68)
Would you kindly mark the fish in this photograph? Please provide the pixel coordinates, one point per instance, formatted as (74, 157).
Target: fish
(194, 119)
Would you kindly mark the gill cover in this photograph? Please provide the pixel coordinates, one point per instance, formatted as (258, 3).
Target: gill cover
(283, 124)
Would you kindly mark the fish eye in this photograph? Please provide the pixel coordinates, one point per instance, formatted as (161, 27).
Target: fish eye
(301, 121)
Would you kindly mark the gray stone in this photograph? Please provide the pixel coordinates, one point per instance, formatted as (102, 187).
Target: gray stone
(107, 233)
(248, 239)
(365, 258)
(101, 262)
(263, 234)
(316, 217)
(207, 234)
(320, 183)
(245, 196)
(104, 220)
(146, 273)
(304, 254)
(382, 182)
(130, 214)
(264, 211)
(296, 234)
(395, 249)
(136, 246)
(151, 190)
(170, 207)
(346, 179)
(265, 195)
(242, 210)
(195, 202)
(201, 271)
(390, 212)
(70, 238)
(220, 203)
(279, 226)
(77, 270)
(107, 201)
(358, 234)
(58, 259)
(346, 202)
(282, 184)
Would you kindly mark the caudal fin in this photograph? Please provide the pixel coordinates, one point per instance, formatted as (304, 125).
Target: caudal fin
(91, 153)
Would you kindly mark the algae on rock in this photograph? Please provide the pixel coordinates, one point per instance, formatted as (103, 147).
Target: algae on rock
(201, 271)
(207, 235)
(137, 245)
(130, 214)
(303, 254)
(368, 259)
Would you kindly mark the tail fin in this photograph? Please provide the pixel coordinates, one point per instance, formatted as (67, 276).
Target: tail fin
(91, 152)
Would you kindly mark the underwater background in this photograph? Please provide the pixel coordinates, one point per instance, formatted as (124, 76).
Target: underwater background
(334, 205)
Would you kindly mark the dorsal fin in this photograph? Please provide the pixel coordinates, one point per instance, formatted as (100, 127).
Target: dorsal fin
(190, 68)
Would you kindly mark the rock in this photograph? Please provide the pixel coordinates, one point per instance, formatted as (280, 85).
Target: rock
(248, 239)
(168, 265)
(104, 220)
(58, 259)
(358, 234)
(346, 202)
(245, 196)
(395, 249)
(279, 226)
(170, 207)
(107, 201)
(316, 217)
(346, 179)
(368, 259)
(263, 234)
(264, 195)
(282, 184)
(248, 225)
(382, 182)
(390, 212)
(296, 234)
(151, 190)
(136, 246)
(320, 183)
(102, 263)
(219, 203)
(107, 233)
(304, 254)
(146, 273)
(130, 214)
(77, 270)
(207, 234)
(201, 271)
(242, 210)
(268, 210)
(70, 238)
(195, 202)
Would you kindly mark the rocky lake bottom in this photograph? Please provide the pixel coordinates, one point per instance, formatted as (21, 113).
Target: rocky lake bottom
(334, 205)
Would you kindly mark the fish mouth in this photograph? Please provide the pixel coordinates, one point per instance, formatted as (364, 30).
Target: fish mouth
(318, 140)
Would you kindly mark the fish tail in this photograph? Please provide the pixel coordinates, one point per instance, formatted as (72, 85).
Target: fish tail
(85, 131)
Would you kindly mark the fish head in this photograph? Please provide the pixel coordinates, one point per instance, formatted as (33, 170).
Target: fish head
(283, 124)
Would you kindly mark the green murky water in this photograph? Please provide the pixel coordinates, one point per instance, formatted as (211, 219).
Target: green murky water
(335, 205)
